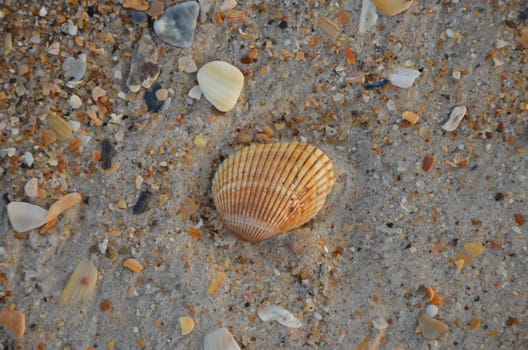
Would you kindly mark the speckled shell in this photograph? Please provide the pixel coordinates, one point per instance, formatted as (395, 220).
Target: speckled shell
(263, 190)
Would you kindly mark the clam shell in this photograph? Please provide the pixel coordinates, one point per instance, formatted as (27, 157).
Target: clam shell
(221, 83)
(263, 190)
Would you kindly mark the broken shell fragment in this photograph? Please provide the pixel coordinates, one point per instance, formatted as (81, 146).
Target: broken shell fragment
(26, 216)
(176, 26)
(31, 188)
(186, 325)
(62, 204)
(263, 190)
(14, 321)
(432, 328)
(403, 77)
(220, 339)
(455, 117)
(392, 7)
(221, 83)
(279, 314)
(81, 284)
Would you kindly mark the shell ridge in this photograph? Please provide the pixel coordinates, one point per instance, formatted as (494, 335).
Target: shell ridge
(302, 171)
(275, 183)
(243, 161)
(292, 174)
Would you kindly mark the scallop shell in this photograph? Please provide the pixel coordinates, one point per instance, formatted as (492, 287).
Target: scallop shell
(263, 190)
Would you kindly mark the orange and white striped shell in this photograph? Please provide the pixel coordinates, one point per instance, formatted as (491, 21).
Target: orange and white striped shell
(263, 190)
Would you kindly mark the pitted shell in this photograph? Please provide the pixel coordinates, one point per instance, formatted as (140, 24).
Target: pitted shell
(263, 190)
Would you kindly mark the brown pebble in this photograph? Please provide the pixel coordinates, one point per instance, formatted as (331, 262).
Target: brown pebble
(244, 137)
(14, 321)
(428, 163)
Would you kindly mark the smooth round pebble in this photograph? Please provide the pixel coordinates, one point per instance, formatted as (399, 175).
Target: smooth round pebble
(75, 102)
(431, 310)
(162, 94)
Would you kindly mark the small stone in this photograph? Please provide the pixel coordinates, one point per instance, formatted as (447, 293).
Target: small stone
(200, 141)
(140, 5)
(456, 75)
(221, 83)
(186, 325)
(8, 42)
(62, 129)
(43, 12)
(54, 48)
(428, 163)
(138, 17)
(75, 102)
(153, 104)
(474, 248)
(403, 77)
(156, 8)
(411, 117)
(187, 64)
(220, 339)
(392, 7)
(368, 17)
(75, 68)
(432, 328)
(26, 216)
(228, 5)
(431, 310)
(176, 26)
(144, 70)
(455, 117)
(162, 94)
(28, 159)
(279, 314)
(98, 92)
(133, 265)
(14, 321)
(195, 93)
(31, 188)
(380, 323)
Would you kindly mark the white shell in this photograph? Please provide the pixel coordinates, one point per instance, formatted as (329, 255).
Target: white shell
(368, 16)
(455, 117)
(220, 339)
(403, 77)
(31, 188)
(26, 216)
(279, 314)
(221, 83)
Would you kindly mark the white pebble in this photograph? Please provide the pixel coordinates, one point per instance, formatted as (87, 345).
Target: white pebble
(455, 117)
(279, 314)
(380, 323)
(75, 102)
(43, 12)
(450, 33)
(28, 159)
(431, 310)
(403, 77)
(456, 75)
(195, 93)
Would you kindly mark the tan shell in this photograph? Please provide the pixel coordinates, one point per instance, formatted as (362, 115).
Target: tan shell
(263, 190)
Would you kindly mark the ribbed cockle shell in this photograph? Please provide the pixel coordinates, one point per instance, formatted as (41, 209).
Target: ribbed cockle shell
(263, 190)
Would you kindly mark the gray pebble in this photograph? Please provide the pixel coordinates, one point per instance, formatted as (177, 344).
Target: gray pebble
(176, 26)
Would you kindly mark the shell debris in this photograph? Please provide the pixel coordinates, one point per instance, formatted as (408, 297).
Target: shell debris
(81, 284)
(263, 190)
(62, 204)
(14, 321)
(133, 265)
(186, 325)
(392, 7)
(279, 314)
(455, 117)
(26, 216)
(221, 83)
(220, 339)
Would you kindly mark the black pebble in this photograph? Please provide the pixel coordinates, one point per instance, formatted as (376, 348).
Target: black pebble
(376, 84)
(523, 15)
(153, 104)
(106, 154)
(499, 196)
(142, 202)
(283, 25)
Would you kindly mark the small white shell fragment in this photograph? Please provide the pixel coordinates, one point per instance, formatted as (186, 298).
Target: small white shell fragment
(62, 204)
(81, 284)
(28, 159)
(75, 102)
(220, 339)
(368, 17)
(455, 117)
(432, 328)
(195, 93)
(380, 323)
(279, 314)
(431, 310)
(228, 5)
(403, 77)
(31, 188)
(26, 216)
(221, 83)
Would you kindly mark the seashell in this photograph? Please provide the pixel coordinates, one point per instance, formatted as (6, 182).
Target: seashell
(392, 7)
(432, 328)
(62, 204)
(31, 188)
(236, 16)
(455, 117)
(14, 321)
(329, 27)
(81, 284)
(263, 190)
(221, 83)
(368, 17)
(220, 339)
(403, 77)
(26, 216)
